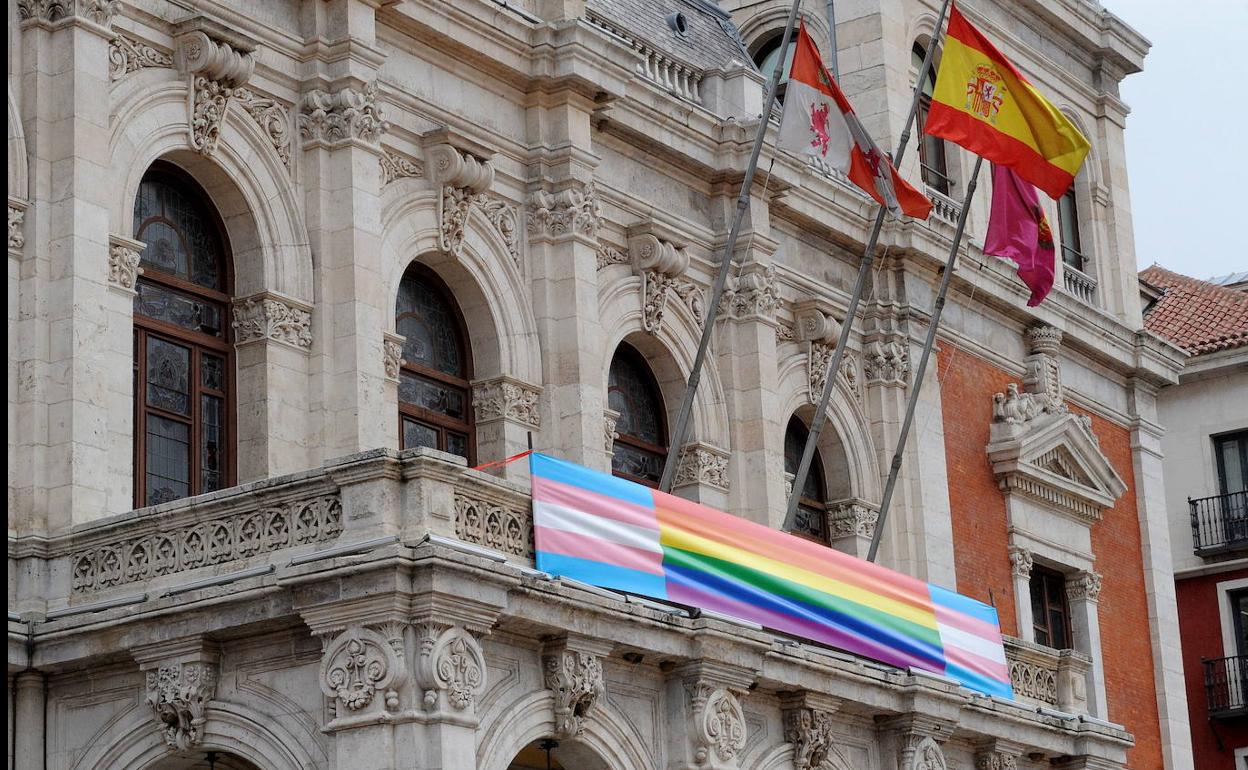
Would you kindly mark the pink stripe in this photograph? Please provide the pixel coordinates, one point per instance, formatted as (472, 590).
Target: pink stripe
(967, 623)
(593, 549)
(592, 503)
(973, 662)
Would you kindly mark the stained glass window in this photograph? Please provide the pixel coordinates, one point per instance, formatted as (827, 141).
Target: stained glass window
(641, 449)
(434, 403)
(811, 518)
(182, 359)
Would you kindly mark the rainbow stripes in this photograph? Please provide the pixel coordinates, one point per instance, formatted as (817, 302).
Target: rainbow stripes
(613, 533)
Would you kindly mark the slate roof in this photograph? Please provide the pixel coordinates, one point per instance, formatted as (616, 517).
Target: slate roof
(1196, 315)
(710, 41)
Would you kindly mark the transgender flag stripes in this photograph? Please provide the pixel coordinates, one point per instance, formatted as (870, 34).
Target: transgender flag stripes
(613, 533)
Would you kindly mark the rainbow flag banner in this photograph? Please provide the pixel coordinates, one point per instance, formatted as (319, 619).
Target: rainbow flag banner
(613, 533)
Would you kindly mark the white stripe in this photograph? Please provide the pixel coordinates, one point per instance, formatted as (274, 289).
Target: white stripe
(561, 517)
(963, 640)
(797, 133)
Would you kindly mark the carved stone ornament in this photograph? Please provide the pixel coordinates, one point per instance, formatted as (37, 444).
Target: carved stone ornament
(17, 220)
(851, 518)
(272, 118)
(576, 680)
(610, 419)
(810, 732)
(995, 760)
(1084, 587)
(99, 12)
(126, 55)
(451, 666)
(753, 293)
(818, 358)
(718, 724)
(494, 523)
(395, 166)
(703, 464)
(661, 265)
(178, 693)
(215, 68)
(1016, 408)
(349, 114)
(272, 317)
(361, 662)
(571, 211)
(123, 262)
(609, 255)
(392, 355)
(886, 362)
(928, 756)
(1020, 562)
(504, 398)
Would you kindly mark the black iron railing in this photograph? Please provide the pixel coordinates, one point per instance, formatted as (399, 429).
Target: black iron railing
(1220, 523)
(1226, 685)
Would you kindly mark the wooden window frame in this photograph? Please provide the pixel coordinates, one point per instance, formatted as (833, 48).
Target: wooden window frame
(441, 423)
(1044, 574)
(1240, 436)
(639, 362)
(197, 342)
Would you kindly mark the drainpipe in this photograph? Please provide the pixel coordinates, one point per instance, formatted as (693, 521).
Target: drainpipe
(832, 57)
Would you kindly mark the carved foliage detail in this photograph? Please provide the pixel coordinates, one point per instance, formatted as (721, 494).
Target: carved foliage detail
(849, 519)
(702, 464)
(494, 526)
(1084, 587)
(123, 266)
(359, 663)
(810, 732)
(928, 756)
(395, 166)
(719, 723)
(209, 100)
(178, 694)
(126, 55)
(451, 663)
(100, 12)
(754, 293)
(505, 399)
(392, 356)
(995, 760)
(574, 210)
(272, 118)
(576, 679)
(17, 217)
(1020, 562)
(887, 362)
(346, 114)
(270, 317)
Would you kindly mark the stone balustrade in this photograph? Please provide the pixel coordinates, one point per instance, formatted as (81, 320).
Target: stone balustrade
(1079, 284)
(672, 75)
(944, 208)
(1047, 677)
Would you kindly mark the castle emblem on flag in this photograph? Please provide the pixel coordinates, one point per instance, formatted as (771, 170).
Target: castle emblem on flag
(984, 93)
(819, 125)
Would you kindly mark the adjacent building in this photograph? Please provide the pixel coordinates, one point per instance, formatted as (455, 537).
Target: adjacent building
(1206, 468)
(281, 273)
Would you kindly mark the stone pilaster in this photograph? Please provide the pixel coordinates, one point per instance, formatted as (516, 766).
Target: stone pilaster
(507, 410)
(702, 474)
(915, 740)
(29, 723)
(1083, 592)
(1020, 571)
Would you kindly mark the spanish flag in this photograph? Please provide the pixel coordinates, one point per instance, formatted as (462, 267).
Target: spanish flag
(984, 104)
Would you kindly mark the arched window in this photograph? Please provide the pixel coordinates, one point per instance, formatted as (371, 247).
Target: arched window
(435, 408)
(767, 56)
(1068, 221)
(641, 449)
(183, 362)
(811, 520)
(931, 149)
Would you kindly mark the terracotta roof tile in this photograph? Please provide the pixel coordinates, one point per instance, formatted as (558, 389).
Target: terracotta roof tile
(1196, 315)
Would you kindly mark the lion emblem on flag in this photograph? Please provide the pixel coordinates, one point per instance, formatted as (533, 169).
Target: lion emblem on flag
(819, 125)
(984, 93)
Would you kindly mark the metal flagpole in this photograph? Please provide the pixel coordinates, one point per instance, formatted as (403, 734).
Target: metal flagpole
(864, 270)
(937, 308)
(725, 263)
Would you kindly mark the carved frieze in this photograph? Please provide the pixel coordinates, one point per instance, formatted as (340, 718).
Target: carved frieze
(349, 114)
(360, 663)
(126, 55)
(178, 693)
(886, 362)
(270, 316)
(124, 255)
(504, 398)
(576, 679)
(450, 667)
(493, 525)
(571, 211)
(395, 166)
(703, 464)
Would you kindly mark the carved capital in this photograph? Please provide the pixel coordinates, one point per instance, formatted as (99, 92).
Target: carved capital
(1086, 586)
(754, 294)
(46, 12)
(392, 355)
(180, 680)
(887, 362)
(17, 222)
(1020, 562)
(124, 255)
(450, 667)
(269, 316)
(362, 662)
(989, 759)
(610, 418)
(505, 398)
(126, 55)
(851, 518)
(809, 730)
(350, 114)
(572, 211)
(576, 679)
(703, 464)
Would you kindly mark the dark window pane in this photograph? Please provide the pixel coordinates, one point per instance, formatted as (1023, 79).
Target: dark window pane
(212, 372)
(211, 442)
(1068, 221)
(457, 444)
(633, 393)
(1057, 626)
(631, 461)
(430, 325)
(165, 304)
(794, 444)
(167, 460)
(168, 376)
(181, 236)
(810, 521)
(434, 396)
(418, 434)
(1042, 636)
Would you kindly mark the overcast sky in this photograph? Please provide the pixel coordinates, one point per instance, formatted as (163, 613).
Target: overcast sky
(1187, 134)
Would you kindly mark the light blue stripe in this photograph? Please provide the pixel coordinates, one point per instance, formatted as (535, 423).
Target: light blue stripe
(979, 682)
(603, 483)
(603, 575)
(964, 604)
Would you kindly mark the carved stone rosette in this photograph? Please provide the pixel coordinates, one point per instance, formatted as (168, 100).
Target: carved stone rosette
(178, 693)
(269, 316)
(350, 114)
(505, 398)
(392, 355)
(576, 679)
(572, 211)
(124, 255)
(126, 55)
(361, 662)
(702, 464)
(718, 724)
(215, 67)
(1086, 586)
(450, 669)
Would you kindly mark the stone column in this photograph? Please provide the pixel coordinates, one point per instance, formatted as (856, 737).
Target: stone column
(29, 720)
(707, 726)
(1020, 568)
(65, 364)
(1082, 593)
(123, 272)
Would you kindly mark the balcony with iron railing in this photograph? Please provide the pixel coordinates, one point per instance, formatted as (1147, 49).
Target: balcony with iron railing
(1226, 686)
(1219, 523)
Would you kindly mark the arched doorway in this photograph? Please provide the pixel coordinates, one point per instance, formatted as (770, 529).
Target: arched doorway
(203, 760)
(548, 754)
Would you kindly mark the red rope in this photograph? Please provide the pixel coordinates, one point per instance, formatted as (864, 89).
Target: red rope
(511, 459)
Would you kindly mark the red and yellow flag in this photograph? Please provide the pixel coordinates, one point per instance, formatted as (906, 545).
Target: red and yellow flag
(984, 104)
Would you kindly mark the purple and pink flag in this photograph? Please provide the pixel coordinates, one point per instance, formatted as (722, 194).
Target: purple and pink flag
(613, 533)
(1018, 230)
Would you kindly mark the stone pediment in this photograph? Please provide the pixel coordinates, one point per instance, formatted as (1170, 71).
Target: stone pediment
(1053, 456)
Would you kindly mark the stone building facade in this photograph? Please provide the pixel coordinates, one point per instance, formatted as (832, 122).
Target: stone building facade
(280, 271)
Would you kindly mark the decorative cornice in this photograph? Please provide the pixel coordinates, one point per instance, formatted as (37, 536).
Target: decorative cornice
(269, 316)
(571, 211)
(703, 464)
(392, 354)
(395, 166)
(124, 255)
(126, 55)
(506, 398)
(348, 115)
(1086, 586)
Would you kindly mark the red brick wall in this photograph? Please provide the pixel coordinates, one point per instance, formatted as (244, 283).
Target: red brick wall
(981, 555)
(1201, 631)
